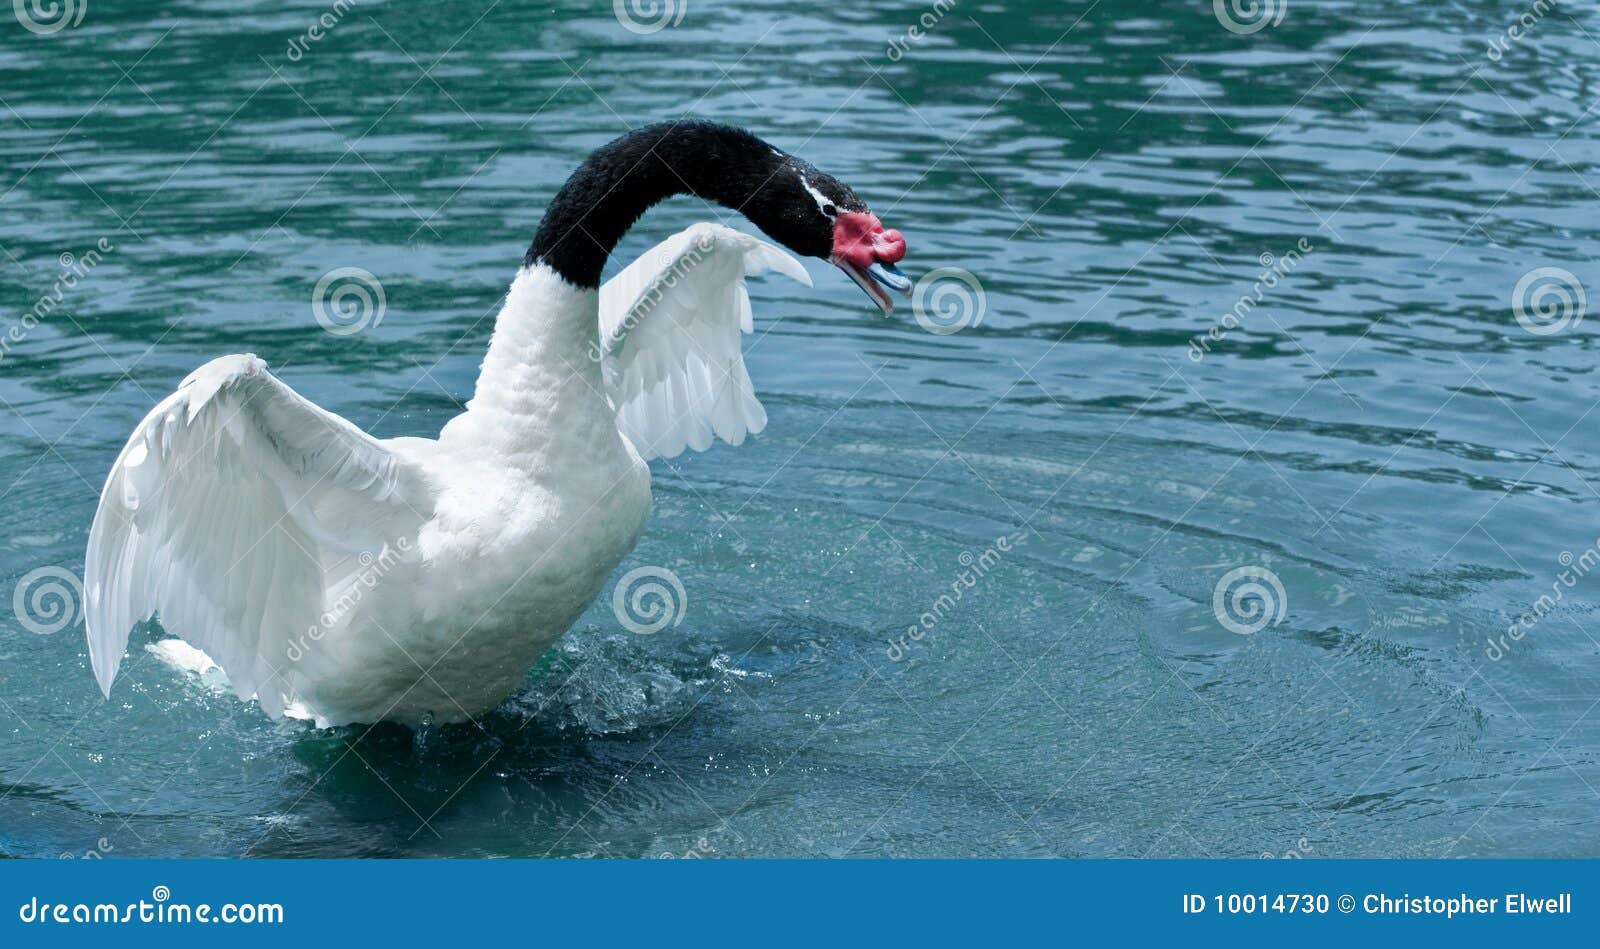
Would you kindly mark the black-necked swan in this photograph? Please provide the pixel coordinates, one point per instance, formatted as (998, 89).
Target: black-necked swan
(252, 522)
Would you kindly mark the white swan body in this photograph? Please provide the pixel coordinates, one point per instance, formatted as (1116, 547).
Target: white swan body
(342, 578)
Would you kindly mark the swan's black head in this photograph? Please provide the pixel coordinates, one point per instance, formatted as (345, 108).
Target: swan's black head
(817, 215)
(806, 210)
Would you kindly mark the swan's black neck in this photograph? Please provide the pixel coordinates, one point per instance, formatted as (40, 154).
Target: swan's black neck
(620, 181)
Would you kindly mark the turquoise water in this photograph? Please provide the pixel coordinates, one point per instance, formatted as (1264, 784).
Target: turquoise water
(1412, 467)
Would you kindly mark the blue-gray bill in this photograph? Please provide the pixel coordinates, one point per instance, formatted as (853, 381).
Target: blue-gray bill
(875, 279)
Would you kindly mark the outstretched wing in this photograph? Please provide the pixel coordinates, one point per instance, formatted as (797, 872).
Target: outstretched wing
(225, 513)
(670, 326)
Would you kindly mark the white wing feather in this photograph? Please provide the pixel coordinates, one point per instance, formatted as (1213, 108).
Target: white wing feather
(670, 325)
(225, 514)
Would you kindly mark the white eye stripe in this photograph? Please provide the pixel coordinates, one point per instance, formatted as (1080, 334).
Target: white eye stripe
(823, 203)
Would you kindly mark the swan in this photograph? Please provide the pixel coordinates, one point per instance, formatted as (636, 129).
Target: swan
(344, 579)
